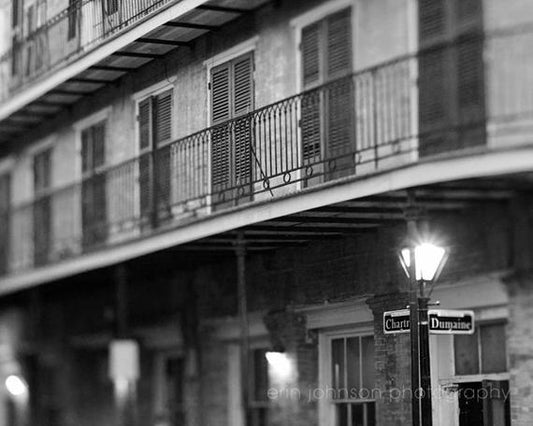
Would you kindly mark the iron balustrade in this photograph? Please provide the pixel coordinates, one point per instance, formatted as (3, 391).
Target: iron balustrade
(369, 121)
(71, 33)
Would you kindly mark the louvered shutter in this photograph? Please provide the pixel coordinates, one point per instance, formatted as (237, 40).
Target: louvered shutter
(162, 117)
(434, 73)
(5, 199)
(311, 54)
(94, 191)
(144, 121)
(311, 104)
(145, 124)
(242, 104)
(470, 72)
(98, 145)
(15, 11)
(339, 44)
(162, 134)
(86, 143)
(41, 208)
(339, 95)
(220, 112)
(432, 21)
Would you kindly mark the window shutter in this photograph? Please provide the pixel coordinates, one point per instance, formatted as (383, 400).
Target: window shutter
(468, 16)
(339, 44)
(220, 112)
(220, 94)
(163, 117)
(310, 47)
(145, 124)
(310, 125)
(15, 10)
(242, 104)
(311, 106)
(469, 60)
(98, 148)
(243, 85)
(86, 142)
(432, 21)
(434, 77)
(5, 199)
(470, 80)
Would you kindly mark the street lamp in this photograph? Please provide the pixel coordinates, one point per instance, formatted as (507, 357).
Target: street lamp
(428, 261)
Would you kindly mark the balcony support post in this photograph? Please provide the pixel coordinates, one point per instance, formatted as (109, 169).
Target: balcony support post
(240, 251)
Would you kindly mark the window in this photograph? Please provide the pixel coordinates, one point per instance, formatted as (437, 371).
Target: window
(5, 205)
(72, 19)
(232, 96)
(93, 197)
(259, 401)
(352, 380)
(42, 226)
(483, 352)
(451, 75)
(155, 131)
(327, 123)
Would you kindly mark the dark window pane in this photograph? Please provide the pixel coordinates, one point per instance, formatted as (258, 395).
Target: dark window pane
(466, 354)
(371, 414)
(369, 371)
(493, 357)
(353, 362)
(358, 415)
(337, 367)
(342, 414)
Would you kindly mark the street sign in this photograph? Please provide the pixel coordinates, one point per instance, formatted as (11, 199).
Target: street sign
(441, 321)
(396, 321)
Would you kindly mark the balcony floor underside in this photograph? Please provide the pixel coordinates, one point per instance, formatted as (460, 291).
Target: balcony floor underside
(358, 204)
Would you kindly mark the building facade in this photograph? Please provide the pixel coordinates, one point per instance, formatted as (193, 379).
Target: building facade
(217, 191)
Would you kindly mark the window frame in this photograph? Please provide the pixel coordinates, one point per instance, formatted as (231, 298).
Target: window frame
(140, 97)
(314, 16)
(327, 406)
(480, 375)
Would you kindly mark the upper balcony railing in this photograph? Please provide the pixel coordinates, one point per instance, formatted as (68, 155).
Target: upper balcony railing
(65, 37)
(373, 120)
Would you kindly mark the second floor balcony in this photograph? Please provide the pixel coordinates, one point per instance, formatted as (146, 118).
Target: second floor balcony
(469, 97)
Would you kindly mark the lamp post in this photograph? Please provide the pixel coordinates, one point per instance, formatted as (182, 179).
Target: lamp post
(424, 269)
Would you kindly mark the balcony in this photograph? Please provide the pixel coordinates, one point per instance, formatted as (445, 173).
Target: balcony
(372, 122)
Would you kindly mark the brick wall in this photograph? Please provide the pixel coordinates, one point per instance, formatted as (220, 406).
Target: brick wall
(393, 364)
(519, 348)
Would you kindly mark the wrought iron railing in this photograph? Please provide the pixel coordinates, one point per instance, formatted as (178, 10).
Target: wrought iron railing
(67, 36)
(376, 119)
